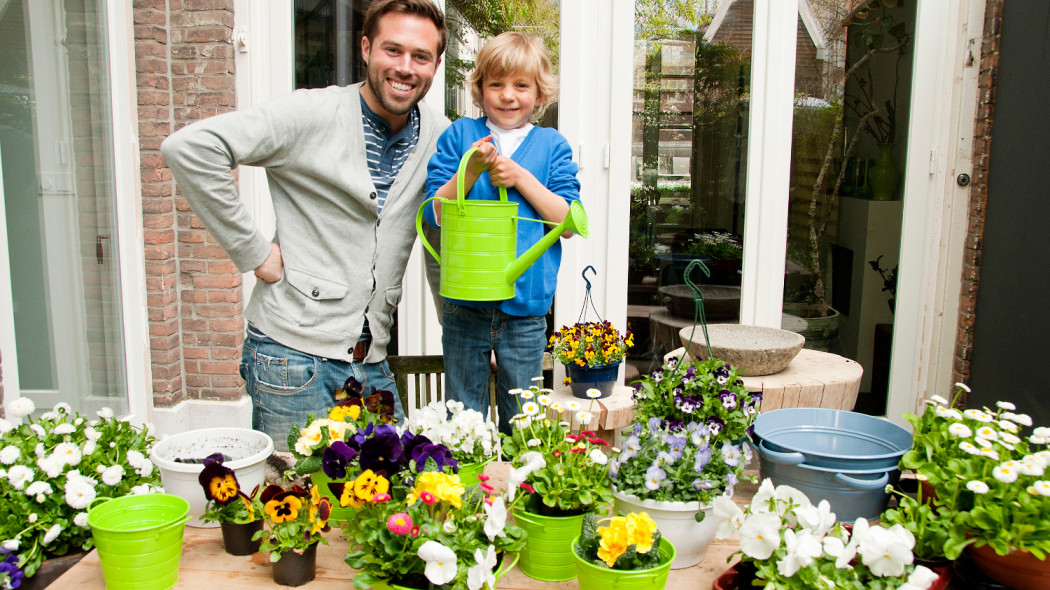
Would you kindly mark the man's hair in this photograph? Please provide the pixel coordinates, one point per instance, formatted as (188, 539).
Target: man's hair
(513, 52)
(422, 8)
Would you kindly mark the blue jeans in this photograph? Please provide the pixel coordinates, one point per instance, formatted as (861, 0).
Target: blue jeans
(469, 334)
(285, 384)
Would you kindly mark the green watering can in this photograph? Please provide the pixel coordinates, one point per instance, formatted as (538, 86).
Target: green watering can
(479, 241)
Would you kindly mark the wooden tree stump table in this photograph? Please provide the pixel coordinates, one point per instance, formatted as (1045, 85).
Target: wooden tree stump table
(814, 379)
(610, 414)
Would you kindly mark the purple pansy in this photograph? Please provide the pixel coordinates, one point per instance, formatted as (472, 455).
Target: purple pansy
(336, 459)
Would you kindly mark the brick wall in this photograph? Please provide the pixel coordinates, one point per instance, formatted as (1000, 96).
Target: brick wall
(184, 62)
(979, 189)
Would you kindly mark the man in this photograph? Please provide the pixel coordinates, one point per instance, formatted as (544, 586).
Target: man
(346, 169)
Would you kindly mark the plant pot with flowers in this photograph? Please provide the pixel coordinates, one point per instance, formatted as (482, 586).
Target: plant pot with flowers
(239, 515)
(687, 447)
(312, 444)
(468, 434)
(418, 526)
(627, 553)
(787, 542)
(564, 469)
(52, 468)
(295, 519)
(592, 353)
(988, 471)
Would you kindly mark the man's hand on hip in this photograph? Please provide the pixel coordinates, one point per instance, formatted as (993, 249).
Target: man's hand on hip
(271, 268)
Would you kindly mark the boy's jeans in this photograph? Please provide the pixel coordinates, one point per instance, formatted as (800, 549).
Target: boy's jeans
(286, 384)
(468, 334)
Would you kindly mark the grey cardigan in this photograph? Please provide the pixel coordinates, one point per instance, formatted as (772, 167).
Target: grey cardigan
(342, 261)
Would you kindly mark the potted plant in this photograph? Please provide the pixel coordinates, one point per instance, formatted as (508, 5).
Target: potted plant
(53, 467)
(239, 515)
(687, 447)
(787, 542)
(469, 435)
(592, 353)
(628, 551)
(723, 250)
(10, 574)
(564, 469)
(970, 460)
(295, 519)
(421, 528)
(312, 445)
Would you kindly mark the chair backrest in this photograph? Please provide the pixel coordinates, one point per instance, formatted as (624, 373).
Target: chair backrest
(425, 374)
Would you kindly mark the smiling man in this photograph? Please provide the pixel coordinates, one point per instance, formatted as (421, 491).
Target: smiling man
(346, 169)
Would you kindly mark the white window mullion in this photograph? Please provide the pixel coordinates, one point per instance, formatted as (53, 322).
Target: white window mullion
(768, 167)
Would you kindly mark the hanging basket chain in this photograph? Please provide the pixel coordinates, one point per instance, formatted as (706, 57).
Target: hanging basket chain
(588, 301)
(698, 313)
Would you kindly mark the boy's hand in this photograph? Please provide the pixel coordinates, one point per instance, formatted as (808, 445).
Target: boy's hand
(485, 157)
(507, 173)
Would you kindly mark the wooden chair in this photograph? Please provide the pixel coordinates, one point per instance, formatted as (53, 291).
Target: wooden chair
(425, 373)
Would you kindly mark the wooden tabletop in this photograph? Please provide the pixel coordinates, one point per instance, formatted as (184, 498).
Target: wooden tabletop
(205, 564)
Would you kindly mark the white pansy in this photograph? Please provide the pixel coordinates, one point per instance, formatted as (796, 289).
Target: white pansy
(729, 516)
(817, 519)
(52, 534)
(1005, 473)
(960, 430)
(21, 407)
(920, 578)
(11, 544)
(531, 461)
(977, 486)
(10, 454)
(81, 520)
(887, 552)
(449, 526)
(597, 456)
(802, 548)
(64, 428)
(440, 560)
(481, 573)
(496, 519)
(20, 476)
(760, 535)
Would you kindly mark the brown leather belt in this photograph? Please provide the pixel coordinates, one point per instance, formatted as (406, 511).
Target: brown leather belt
(361, 349)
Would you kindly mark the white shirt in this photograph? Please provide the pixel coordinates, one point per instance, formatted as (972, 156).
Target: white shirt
(507, 140)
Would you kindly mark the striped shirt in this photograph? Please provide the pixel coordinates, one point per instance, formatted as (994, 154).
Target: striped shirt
(387, 153)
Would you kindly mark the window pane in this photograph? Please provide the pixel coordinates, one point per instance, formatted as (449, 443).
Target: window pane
(852, 82)
(689, 150)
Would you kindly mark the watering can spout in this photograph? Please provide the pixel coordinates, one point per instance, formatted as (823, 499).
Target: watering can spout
(575, 221)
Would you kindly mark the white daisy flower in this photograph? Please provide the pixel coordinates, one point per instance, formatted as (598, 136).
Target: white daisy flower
(573, 405)
(1032, 468)
(5, 426)
(21, 407)
(969, 447)
(939, 400)
(1023, 419)
(52, 534)
(105, 413)
(33, 517)
(978, 415)
(1009, 438)
(959, 430)
(537, 379)
(987, 433)
(38, 430)
(1007, 425)
(112, 475)
(533, 442)
(963, 387)
(950, 413)
(593, 393)
(1040, 487)
(1005, 474)
(38, 487)
(990, 453)
(79, 494)
(68, 452)
(1006, 406)
(584, 417)
(516, 391)
(81, 520)
(10, 454)
(20, 476)
(530, 408)
(64, 428)
(1042, 431)
(977, 487)
(597, 456)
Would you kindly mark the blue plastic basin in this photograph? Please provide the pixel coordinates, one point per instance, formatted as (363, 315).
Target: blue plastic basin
(832, 439)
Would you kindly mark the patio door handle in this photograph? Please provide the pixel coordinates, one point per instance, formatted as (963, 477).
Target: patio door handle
(99, 252)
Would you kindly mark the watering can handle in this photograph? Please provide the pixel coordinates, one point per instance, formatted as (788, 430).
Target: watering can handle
(461, 193)
(419, 228)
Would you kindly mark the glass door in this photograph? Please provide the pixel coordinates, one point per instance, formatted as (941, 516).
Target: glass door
(63, 308)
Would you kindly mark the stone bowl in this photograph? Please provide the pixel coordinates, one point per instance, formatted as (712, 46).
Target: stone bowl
(753, 350)
(721, 302)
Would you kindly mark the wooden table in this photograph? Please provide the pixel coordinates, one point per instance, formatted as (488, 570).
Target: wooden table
(206, 565)
(814, 379)
(610, 414)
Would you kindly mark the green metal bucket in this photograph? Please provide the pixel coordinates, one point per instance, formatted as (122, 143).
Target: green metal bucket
(548, 554)
(342, 515)
(592, 577)
(479, 241)
(469, 472)
(139, 539)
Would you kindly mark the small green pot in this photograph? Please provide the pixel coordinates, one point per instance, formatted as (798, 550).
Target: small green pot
(592, 577)
(548, 554)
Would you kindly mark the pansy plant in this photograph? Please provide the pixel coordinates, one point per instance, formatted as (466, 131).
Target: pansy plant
(294, 519)
(227, 502)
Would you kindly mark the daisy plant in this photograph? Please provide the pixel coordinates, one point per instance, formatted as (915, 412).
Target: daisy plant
(227, 502)
(688, 441)
(294, 519)
(467, 433)
(788, 543)
(554, 457)
(53, 467)
(590, 344)
(987, 470)
(629, 542)
(422, 527)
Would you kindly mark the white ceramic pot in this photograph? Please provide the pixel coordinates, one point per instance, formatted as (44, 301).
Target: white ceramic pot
(676, 521)
(247, 449)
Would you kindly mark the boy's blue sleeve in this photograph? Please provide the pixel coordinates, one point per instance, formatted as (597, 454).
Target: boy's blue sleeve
(563, 181)
(442, 166)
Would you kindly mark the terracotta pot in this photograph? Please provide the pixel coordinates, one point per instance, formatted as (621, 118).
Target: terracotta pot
(1019, 569)
(294, 569)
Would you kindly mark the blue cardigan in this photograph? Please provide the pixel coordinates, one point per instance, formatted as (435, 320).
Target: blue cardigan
(547, 155)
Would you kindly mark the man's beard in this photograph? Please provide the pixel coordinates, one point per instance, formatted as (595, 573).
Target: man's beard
(377, 83)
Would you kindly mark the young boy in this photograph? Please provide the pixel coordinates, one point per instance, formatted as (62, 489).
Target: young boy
(512, 81)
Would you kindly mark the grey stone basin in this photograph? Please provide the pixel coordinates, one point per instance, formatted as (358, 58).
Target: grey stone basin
(721, 302)
(752, 349)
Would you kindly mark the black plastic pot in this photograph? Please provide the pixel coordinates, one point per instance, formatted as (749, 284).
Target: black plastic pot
(237, 538)
(293, 569)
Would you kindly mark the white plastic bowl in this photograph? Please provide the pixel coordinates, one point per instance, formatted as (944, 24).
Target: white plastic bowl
(247, 449)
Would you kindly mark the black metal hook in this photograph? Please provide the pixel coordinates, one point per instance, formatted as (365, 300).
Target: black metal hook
(584, 275)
